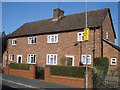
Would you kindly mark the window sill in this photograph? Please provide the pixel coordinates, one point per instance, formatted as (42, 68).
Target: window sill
(52, 42)
(31, 63)
(51, 64)
(14, 45)
(11, 60)
(113, 64)
(32, 43)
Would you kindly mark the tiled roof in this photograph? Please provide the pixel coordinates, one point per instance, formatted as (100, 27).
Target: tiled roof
(65, 23)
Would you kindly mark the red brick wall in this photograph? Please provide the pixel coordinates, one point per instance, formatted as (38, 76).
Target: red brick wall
(6, 69)
(107, 26)
(111, 52)
(69, 81)
(22, 73)
(65, 46)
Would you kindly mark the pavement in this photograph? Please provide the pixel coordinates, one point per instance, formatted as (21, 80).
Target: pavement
(14, 82)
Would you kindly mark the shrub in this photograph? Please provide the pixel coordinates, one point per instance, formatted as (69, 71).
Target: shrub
(68, 71)
(100, 68)
(101, 64)
(19, 66)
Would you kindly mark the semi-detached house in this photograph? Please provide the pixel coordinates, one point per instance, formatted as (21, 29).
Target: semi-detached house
(45, 42)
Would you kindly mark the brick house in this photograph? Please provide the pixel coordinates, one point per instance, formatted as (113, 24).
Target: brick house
(45, 42)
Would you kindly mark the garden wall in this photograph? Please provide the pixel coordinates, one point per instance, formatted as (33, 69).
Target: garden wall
(69, 81)
(31, 73)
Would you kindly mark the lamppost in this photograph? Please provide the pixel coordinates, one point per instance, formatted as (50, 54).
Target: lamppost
(86, 38)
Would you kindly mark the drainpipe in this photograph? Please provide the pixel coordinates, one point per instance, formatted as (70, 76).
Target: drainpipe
(101, 40)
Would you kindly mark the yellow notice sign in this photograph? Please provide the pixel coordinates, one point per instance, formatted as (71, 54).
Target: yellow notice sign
(86, 34)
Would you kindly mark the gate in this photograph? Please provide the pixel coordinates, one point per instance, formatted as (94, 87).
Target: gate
(39, 73)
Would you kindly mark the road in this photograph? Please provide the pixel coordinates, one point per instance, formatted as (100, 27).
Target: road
(14, 82)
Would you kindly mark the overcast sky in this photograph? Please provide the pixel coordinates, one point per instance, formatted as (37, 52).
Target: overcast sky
(15, 14)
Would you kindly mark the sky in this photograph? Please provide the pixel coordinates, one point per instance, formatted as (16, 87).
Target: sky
(15, 14)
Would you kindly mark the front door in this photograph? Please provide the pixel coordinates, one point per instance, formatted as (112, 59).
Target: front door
(70, 62)
(19, 58)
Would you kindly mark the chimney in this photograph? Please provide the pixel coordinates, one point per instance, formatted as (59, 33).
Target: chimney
(57, 13)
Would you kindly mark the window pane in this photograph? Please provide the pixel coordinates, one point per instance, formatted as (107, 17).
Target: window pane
(48, 58)
(12, 57)
(54, 59)
(84, 59)
(29, 40)
(56, 38)
(113, 60)
(28, 58)
(32, 41)
(88, 59)
(14, 41)
(34, 58)
(80, 36)
(52, 39)
(35, 40)
(49, 39)
(51, 59)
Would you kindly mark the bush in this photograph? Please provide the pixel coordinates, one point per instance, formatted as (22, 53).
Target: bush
(101, 64)
(68, 71)
(100, 68)
(19, 66)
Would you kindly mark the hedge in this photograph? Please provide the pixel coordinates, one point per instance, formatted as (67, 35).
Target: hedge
(68, 71)
(19, 66)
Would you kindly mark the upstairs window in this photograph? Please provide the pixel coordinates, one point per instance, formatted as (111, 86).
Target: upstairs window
(113, 61)
(52, 39)
(31, 58)
(11, 57)
(14, 41)
(32, 40)
(107, 35)
(80, 36)
(51, 59)
(83, 59)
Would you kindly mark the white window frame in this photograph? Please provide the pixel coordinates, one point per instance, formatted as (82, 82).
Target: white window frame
(72, 59)
(48, 59)
(19, 56)
(84, 61)
(80, 38)
(30, 58)
(13, 42)
(30, 40)
(107, 35)
(112, 61)
(54, 37)
(11, 57)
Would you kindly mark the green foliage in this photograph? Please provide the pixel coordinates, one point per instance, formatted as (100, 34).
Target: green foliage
(101, 64)
(100, 68)
(68, 71)
(19, 66)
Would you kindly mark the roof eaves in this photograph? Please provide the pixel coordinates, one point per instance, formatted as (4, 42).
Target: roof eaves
(110, 43)
(60, 31)
(112, 23)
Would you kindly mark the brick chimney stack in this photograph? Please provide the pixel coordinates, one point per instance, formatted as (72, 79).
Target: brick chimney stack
(57, 13)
